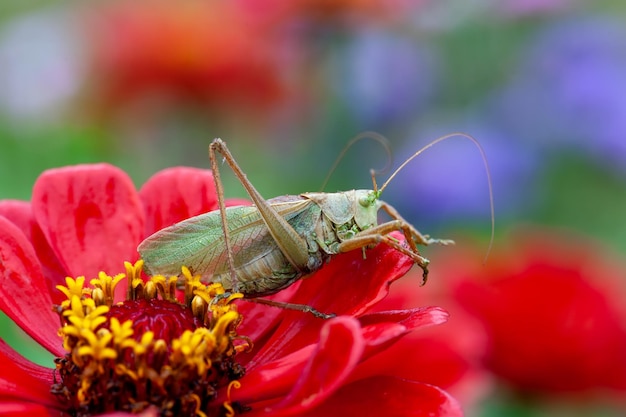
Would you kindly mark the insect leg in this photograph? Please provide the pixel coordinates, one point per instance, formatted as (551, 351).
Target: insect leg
(291, 306)
(291, 244)
(409, 230)
(222, 206)
(380, 234)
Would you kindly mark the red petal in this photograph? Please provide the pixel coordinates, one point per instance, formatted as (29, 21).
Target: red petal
(350, 284)
(20, 213)
(52, 269)
(91, 216)
(388, 396)
(260, 320)
(347, 285)
(412, 318)
(445, 356)
(272, 380)
(24, 296)
(150, 412)
(16, 408)
(41, 373)
(327, 367)
(381, 330)
(16, 383)
(382, 335)
(176, 194)
(338, 352)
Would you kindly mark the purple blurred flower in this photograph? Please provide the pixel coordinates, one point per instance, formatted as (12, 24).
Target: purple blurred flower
(571, 91)
(448, 182)
(385, 77)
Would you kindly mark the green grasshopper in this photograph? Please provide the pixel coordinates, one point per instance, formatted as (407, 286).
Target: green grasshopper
(261, 249)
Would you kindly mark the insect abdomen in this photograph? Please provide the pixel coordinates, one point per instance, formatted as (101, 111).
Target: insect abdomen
(264, 276)
(261, 267)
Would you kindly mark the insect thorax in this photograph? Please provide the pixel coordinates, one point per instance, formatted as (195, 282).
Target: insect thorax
(343, 215)
(328, 235)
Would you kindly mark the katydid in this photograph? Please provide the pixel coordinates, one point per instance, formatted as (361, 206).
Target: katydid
(260, 249)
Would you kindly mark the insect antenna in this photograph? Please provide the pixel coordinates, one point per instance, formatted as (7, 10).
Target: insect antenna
(373, 174)
(487, 171)
(384, 142)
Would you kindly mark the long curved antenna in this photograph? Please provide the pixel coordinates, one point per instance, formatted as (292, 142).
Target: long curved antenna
(487, 171)
(363, 135)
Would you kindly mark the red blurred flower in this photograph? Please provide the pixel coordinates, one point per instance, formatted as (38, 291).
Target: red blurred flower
(552, 308)
(89, 218)
(219, 54)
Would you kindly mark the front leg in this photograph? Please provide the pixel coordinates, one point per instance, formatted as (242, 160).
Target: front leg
(410, 231)
(380, 234)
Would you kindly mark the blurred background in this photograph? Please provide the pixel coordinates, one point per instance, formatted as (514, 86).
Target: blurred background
(541, 84)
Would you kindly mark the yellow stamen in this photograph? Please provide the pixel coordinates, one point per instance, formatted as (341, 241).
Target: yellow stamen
(97, 345)
(107, 284)
(141, 347)
(164, 286)
(73, 287)
(198, 403)
(91, 320)
(230, 412)
(133, 271)
(122, 333)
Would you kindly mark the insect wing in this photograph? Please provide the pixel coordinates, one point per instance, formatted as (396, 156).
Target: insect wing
(198, 242)
(194, 242)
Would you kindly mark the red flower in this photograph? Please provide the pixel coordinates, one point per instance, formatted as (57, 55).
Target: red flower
(207, 53)
(552, 307)
(89, 218)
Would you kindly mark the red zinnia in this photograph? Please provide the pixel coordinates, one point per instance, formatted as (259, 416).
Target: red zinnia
(552, 308)
(85, 219)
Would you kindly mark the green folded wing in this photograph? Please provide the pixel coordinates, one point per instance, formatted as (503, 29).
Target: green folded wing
(198, 242)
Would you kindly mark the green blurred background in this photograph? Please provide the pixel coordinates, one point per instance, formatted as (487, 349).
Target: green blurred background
(147, 85)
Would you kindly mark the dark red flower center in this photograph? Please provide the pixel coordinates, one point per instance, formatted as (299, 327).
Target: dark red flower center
(165, 319)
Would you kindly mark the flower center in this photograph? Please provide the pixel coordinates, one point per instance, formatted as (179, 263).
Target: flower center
(165, 319)
(152, 350)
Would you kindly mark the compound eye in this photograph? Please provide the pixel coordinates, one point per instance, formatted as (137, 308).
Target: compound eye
(365, 202)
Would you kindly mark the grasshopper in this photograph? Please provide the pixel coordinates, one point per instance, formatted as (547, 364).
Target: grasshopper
(261, 249)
